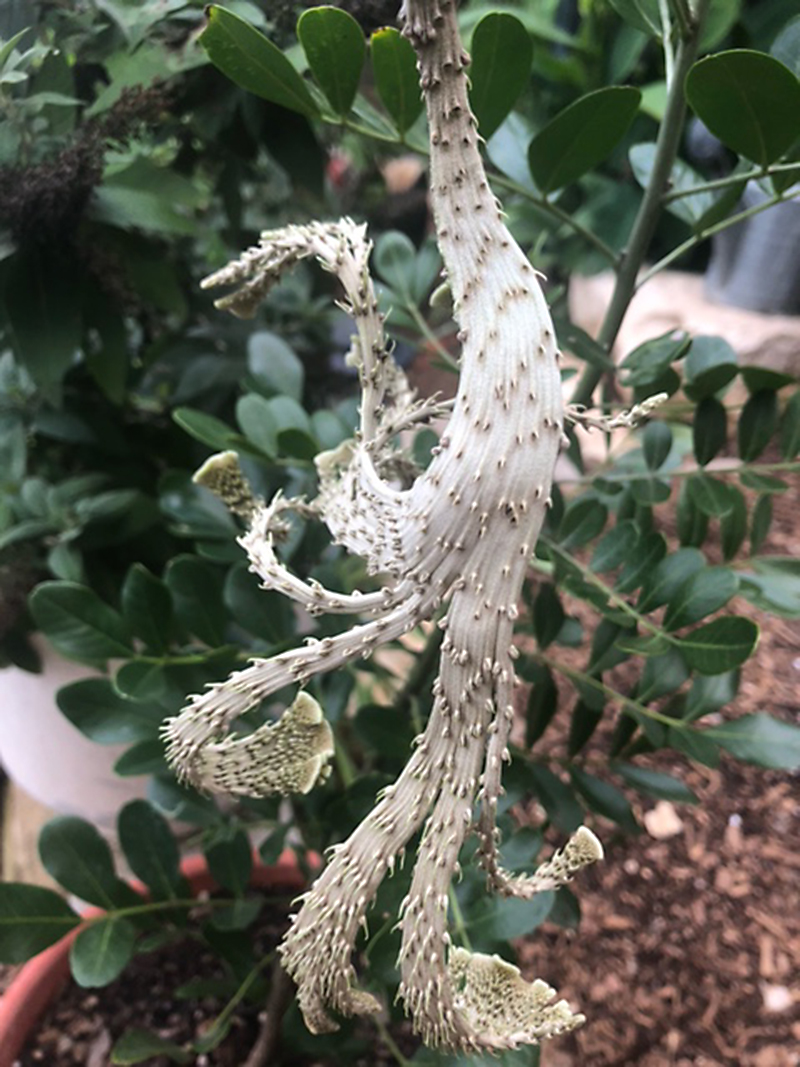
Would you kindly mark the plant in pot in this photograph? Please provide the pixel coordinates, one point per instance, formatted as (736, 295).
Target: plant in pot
(649, 544)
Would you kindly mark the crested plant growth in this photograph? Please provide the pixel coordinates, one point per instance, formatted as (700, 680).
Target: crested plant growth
(356, 590)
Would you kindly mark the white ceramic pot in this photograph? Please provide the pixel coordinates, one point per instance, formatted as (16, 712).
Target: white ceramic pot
(43, 753)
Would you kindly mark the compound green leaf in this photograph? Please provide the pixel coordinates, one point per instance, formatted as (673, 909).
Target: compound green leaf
(147, 607)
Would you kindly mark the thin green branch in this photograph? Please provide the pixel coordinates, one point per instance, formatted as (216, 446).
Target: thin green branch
(623, 477)
(615, 598)
(390, 1042)
(458, 920)
(703, 235)
(650, 208)
(581, 677)
(756, 174)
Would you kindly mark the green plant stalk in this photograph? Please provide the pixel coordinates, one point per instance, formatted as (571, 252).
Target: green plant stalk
(236, 999)
(576, 675)
(756, 174)
(390, 1043)
(650, 208)
(623, 477)
(703, 235)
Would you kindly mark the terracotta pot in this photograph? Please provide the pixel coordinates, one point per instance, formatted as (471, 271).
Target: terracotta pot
(41, 979)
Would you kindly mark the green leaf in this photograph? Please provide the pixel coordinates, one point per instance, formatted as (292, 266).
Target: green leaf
(615, 547)
(103, 715)
(786, 46)
(242, 913)
(557, 799)
(265, 613)
(147, 607)
(101, 952)
(710, 364)
(79, 859)
(647, 553)
(720, 645)
(77, 622)
(760, 739)
(254, 63)
(500, 68)
(334, 46)
(749, 100)
(774, 586)
(272, 362)
(394, 64)
(206, 428)
(711, 496)
(230, 862)
(709, 429)
(648, 362)
(692, 522)
(542, 703)
(790, 427)
(643, 14)
(145, 757)
(692, 209)
(581, 136)
(710, 693)
(548, 615)
(258, 424)
(700, 595)
(386, 730)
(760, 523)
(733, 525)
(655, 783)
(662, 674)
(395, 261)
(762, 483)
(31, 919)
(137, 1045)
(150, 848)
(756, 378)
(605, 799)
(584, 722)
(510, 917)
(43, 304)
(196, 589)
(583, 520)
(657, 444)
(757, 423)
(695, 745)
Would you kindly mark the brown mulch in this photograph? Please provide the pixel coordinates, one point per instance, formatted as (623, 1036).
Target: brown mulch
(688, 952)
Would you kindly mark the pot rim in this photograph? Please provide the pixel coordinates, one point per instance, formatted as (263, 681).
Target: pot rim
(43, 977)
